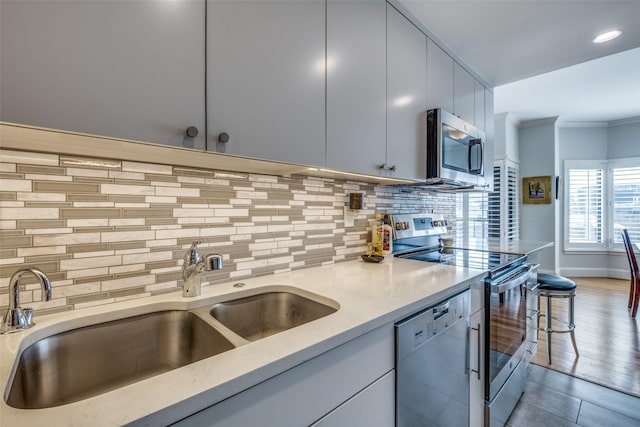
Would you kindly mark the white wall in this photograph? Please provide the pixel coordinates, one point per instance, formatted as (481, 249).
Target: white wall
(618, 140)
(580, 143)
(624, 139)
(506, 145)
(538, 157)
(536, 142)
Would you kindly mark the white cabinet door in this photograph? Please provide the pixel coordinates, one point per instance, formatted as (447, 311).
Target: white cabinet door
(372, 407)
(489, 145)
(266, 79)
(476, 369)
(307, 392)
(479, 108)
(464, 90)
(356, 85)
(125, 69)
(439, 78)
(406, 97)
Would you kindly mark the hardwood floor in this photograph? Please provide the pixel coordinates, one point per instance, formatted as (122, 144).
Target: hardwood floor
(607, 336)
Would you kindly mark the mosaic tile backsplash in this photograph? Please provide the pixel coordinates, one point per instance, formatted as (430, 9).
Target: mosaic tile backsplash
(106, 231)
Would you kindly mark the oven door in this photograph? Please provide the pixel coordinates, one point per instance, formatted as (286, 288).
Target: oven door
(506, 311)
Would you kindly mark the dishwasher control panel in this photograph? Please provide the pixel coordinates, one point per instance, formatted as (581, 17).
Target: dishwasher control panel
(420, 328)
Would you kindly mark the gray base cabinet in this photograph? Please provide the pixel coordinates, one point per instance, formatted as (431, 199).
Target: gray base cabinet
(476, 369)
(371, 407)
(124, 69)
(476, 355)
(323, 386)
(266, 79)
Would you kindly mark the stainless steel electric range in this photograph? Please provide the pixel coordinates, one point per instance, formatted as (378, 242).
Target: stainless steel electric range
(418, 237)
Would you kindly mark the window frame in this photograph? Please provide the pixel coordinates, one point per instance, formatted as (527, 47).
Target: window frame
(607, 226)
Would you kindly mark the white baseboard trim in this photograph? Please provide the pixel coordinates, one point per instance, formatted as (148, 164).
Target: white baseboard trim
(595, 272)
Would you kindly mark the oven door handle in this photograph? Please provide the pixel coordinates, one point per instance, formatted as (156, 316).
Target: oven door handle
(505, 286)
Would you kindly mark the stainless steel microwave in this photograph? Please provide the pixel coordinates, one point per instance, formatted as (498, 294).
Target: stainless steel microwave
(455, 152)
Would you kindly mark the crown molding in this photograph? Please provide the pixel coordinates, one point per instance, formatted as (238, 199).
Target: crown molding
(538, 122)
(584, 124)
(622, 122)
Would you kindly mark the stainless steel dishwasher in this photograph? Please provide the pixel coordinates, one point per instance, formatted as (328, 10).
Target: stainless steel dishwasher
(432, 366)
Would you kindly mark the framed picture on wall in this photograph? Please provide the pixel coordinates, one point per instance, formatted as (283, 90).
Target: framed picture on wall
(536, 190)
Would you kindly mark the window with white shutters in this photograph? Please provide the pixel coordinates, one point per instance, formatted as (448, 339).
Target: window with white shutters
(504, 208)
(626, 202)
(494, 204)
(471, 218)
(495, 214)
(511, 206)
(585, 206)
(602, 198)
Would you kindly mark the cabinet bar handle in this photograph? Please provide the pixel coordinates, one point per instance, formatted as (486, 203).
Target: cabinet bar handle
(479, 351)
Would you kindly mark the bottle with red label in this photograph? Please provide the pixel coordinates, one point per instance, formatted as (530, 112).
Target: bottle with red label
(384, 230)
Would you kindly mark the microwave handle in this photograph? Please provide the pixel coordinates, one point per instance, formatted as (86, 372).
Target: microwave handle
(473, 143)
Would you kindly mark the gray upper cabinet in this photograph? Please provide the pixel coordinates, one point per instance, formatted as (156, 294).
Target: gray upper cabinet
(266, 79)
(126, 69)
(342, 84)
(463, 94)
(406, 98)
(439, 78)
(451, 87)
(356, 85)
(479, 106)
(489, 130)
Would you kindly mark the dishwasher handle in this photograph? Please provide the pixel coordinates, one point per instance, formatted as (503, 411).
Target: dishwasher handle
(441, 310)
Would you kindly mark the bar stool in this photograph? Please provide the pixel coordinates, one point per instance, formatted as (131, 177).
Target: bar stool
(552, 286)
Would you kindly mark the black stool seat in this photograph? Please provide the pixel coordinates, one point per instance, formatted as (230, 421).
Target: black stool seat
(553, 282)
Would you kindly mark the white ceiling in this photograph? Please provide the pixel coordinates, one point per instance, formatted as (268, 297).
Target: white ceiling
(509, 41)
(603, 90)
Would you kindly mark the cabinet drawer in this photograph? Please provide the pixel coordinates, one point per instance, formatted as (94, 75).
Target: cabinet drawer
(374, 406)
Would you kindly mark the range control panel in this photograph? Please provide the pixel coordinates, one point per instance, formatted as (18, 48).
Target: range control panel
(416, 225)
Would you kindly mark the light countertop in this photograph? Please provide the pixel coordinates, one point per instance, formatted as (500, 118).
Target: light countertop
(518, 247)
(369, 296)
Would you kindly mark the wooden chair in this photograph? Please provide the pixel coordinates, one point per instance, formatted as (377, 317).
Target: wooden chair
(634, 288)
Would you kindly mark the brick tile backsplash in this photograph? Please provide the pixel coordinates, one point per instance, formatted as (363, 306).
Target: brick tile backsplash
(106, 230)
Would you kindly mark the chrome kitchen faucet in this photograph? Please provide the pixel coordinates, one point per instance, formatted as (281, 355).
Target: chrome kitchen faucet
(192, 267)
(17, 319)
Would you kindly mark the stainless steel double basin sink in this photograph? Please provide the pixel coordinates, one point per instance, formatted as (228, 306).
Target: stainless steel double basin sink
(88, 361)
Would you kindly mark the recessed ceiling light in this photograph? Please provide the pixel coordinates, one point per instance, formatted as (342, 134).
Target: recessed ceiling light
(605, 37)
